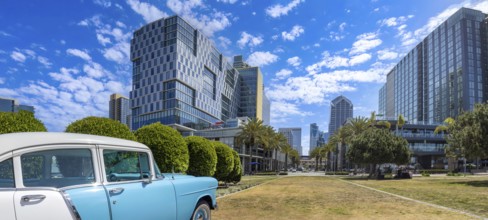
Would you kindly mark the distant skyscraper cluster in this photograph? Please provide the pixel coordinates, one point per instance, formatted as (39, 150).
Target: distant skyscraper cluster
(294, 137)
(12, 105)
(180, 79)
(444, 75)
(317, 137)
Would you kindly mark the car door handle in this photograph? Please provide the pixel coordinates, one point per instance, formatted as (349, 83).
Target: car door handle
(116, 190)
(32, 198)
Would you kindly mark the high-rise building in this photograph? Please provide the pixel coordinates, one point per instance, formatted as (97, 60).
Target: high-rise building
(119, 109)
(442, 76)
(11, 105)
(179, 78)
(294, 137)
(253, 102)
(340, 111)
(314, 137)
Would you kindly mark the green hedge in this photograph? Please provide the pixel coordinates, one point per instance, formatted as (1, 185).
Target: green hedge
(225, 160)
(435, 171)
(101, 126)
(236, 174)
(337, 173)
(168, 146)
(203, 158)
(22, 121)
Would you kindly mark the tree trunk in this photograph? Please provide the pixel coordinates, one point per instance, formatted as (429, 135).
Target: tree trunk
(372, 170)
(276, 159)
(249, 163)
(286, 161)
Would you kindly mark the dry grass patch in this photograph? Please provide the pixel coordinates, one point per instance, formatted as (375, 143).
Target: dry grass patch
(469, 193)
(246, 182)
(321, 198)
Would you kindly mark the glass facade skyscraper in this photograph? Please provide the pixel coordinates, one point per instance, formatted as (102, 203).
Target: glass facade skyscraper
(11, 105)
(253, 102)
(119, 109)
(314, 136)
(294, 137)
(443, 75)
(179, 78)
(340, 110)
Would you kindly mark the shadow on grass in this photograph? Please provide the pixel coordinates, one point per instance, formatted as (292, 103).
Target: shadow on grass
(476, 183)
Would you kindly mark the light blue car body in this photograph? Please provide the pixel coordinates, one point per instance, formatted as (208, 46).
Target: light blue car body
(174, 196)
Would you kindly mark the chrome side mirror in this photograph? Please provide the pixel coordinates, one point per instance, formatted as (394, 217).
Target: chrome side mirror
(148, 180)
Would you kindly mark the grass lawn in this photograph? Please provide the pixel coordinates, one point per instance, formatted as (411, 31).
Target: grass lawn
(321, 198)
(464, 193)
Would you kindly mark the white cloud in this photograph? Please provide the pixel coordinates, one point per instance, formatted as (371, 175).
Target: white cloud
(44, 61)
(294, 61)
(355, 60)
(342, 26)
(394, 21)
(278, 10)
(365, 42)
(18, 56)
(313, 89)
(5, 34)
(103, 40)
(119, 53)
(224, 42)
(79, 53)
(275, 37)
(63, 42)
(227, 1)
(316, 45)
(103, 3)
(387, 54)
(334, 36)
(250, 40)
(335, 61)
(295, 32)
(282, 110)
(283, 73)
(208, 23)
(376, 10)
(260, 58)
(148, 12)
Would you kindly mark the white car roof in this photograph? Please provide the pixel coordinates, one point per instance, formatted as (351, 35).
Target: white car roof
(14, 141)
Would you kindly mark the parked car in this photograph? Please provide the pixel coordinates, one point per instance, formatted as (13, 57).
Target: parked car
(74, 176)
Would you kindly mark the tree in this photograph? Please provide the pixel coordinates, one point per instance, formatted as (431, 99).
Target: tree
(22, 121)
(295, 157)
(236, 174)
(203, 158)
(225, 160)
(252, 134)
(376, 146)
(315, 153)
(400, 122)
(101, 126)
(468, 135)
(168, 146)
(287, 150)
(281, 140)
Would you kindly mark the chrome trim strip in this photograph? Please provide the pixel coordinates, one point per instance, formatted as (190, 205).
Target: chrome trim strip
(72, 209)
(194, 192)
(7, 189)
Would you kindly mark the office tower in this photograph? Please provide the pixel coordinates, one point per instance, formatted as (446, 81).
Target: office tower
(443, 75)
(179, 78)
(340, 111)
(294, 137)
(253, 102)
(314, 136)
(119, 109)
(11, 105)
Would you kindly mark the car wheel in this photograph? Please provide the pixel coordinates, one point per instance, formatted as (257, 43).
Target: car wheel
(202, 211)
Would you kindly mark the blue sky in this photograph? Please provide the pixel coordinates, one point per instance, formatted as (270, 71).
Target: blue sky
(66, 57)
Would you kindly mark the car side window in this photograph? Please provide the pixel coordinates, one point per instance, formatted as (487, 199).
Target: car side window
(126, 165)
(57, 168)
(7, 174)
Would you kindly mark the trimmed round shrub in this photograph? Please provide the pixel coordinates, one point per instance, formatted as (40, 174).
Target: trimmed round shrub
(225, 160)
(236, 174)
(203, 158)
(168, 146)
(22, 121)
(101, 126)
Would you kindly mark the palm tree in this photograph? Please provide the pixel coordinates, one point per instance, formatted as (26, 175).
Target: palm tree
(451, 162)
(252, 134)
(315, 153)
(339, 139)
(281, 141)
(269, 143)
(286, 149)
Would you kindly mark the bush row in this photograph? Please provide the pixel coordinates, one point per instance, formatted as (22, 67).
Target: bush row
(192, 155)
(337, 173)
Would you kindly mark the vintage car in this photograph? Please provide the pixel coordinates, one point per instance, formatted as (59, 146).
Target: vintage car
(75, 176)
